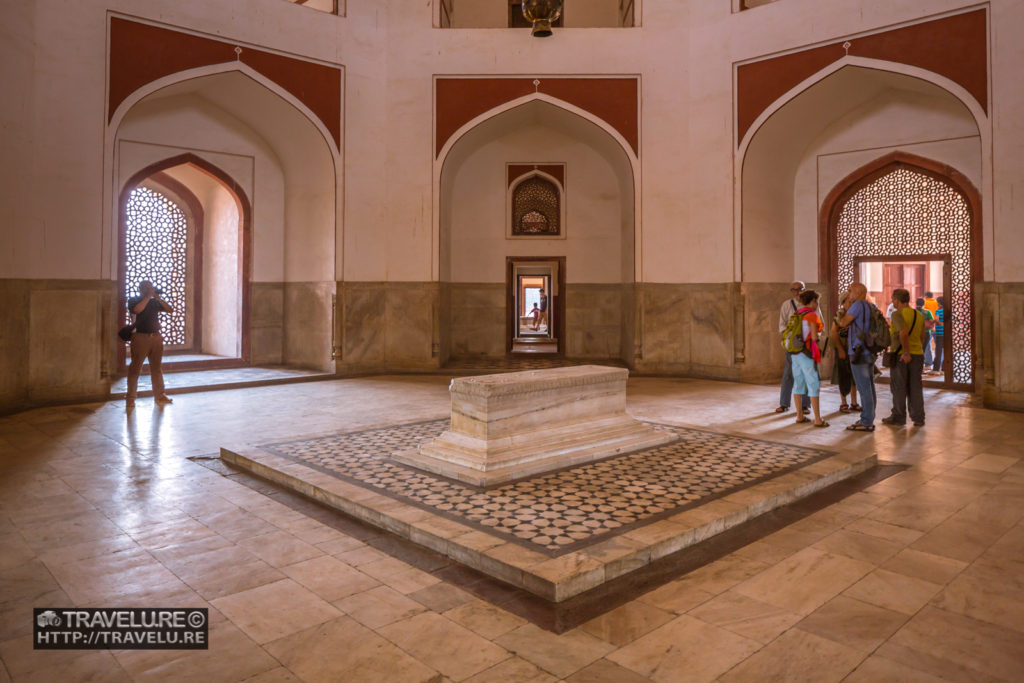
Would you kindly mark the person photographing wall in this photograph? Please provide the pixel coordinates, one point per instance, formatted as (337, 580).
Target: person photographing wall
(146, 342)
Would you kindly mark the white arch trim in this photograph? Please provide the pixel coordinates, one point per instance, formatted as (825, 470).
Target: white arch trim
(981, 119)
(510, 193)
(442, 156)
(110, 189)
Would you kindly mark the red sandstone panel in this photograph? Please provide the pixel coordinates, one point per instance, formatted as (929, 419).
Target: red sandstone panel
(955, 47)
(613, 99)
(556, 171)
(142, 53)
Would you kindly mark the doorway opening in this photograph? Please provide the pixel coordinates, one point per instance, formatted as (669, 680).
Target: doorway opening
(197, 251)
(536, 308)
(927, 278)
(903, 214)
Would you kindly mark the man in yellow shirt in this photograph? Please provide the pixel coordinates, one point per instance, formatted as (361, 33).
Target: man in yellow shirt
(908, 327)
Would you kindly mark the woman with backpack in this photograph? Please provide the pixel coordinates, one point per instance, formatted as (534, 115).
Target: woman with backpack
(840, 341)
(805, 362)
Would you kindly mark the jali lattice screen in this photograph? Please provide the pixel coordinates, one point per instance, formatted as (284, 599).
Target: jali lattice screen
(156, 241)
(905, 213)
(536, 208)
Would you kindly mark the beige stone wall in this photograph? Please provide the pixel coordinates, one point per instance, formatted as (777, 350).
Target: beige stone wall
(266, 323)
(57, 341)
(387, 326)
(999, 319)
(308, 324)
(475, 317)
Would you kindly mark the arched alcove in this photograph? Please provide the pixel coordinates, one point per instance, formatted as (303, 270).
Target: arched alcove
(597, 243)
(803, 146)
(282, 160)
(216, 255)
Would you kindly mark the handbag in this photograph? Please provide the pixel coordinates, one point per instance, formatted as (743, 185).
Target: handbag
(828, 360)
(126, 332)
(890, 359)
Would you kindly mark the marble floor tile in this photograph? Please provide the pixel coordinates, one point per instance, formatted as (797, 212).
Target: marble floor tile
(484, 619)
(958, 539)
(23, 663)
(797, 656)
(441, 597)
(379, 606)
(723, 574)
(892, 532)
(279, 548)
(26, 581)
(343, 650)
(957, 647)
(859, 546)
(990, 463)
(444, 645)
(340, 545)
(853, 623)
(676, 596)
(16, 614)
(604, 671)
(685, 649)
(745, 616)
(933, 568)
(232, 655)
(409, 580)
(805, 581)
(625, 624)
(275, 610)
(876, 669)
(991, 589)
(560, 655)
(893, 591)
(330, 578)
(513, 670)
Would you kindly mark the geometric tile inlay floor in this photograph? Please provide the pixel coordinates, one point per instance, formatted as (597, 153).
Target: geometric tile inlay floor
(564, 510)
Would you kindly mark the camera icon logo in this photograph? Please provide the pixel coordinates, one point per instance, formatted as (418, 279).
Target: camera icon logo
(48, 618)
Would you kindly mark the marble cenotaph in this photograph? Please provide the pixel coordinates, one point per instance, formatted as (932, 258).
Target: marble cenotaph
(513, 425)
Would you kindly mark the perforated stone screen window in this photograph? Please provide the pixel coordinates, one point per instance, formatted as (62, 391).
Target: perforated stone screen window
(156, 241)
(536, 208)
(906, 213)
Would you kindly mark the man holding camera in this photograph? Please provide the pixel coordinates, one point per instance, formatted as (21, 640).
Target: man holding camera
(146, 342)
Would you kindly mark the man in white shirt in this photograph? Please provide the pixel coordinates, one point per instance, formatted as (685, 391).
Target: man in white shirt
(788, 308)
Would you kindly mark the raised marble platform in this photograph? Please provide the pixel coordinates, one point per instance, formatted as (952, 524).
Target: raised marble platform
(513, 425)
(561, 533)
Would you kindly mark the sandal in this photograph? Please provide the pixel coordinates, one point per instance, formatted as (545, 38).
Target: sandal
(854, 406)
(781, 409)
(858, 427)
(844, 408)
(823, 424)
(802, 419)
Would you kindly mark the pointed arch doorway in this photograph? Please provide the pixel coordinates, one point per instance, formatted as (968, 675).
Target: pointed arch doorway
(915, 213)
(197, 250)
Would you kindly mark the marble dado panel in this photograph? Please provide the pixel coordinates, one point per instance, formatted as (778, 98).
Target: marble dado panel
(596, 320)
(57, 341)
(308, 324)
(473, 319)
(998, 321)
(385, 326)
(266, 323)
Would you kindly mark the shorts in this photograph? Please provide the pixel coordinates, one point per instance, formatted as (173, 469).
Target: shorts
(805, 375)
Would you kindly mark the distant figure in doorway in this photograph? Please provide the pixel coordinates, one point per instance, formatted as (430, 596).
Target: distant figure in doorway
(146, 342)
(789, 307)
(543, 309)
(805, 363)
(929, 325)
(939, 334)
(905, 374)
(862, 361)
(842, 375)
(931, 305)
(536, 316)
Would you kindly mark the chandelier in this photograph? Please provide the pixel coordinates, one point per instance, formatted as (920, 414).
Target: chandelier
(542, 13)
